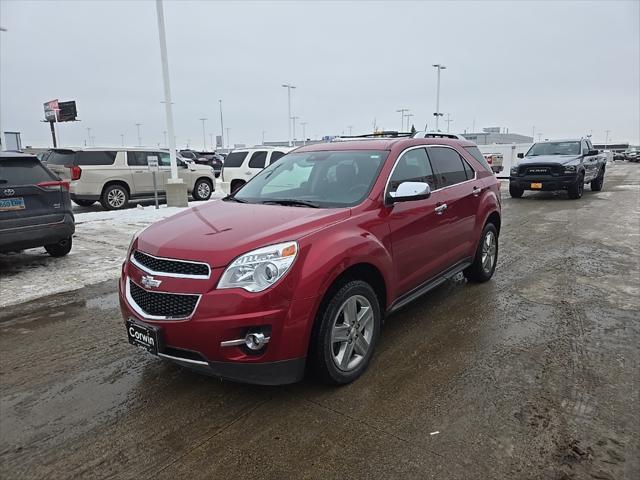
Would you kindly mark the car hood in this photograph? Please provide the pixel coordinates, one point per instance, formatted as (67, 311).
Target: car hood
(561, 159)
(217, 232)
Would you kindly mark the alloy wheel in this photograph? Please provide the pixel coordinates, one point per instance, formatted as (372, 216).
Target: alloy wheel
(116, 198)
(489, 248)
(352, 332)
(203, 190)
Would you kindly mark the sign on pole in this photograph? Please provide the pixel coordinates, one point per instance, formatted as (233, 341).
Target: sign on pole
(218, 141)
(154, 167)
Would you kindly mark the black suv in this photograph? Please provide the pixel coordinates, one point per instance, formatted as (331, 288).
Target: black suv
(558, 165)
(35, 207)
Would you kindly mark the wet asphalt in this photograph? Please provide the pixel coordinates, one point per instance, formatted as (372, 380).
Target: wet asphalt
(535, 374)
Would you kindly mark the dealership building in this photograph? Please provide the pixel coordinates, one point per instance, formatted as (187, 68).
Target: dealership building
(496, 135)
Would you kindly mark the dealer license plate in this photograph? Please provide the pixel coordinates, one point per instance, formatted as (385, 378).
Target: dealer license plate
(143, 336)
(7, 204)
(536, 186)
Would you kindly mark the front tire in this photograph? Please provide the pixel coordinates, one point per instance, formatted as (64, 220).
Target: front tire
(515, 192)
(202, 190)
(61, 248)
(346, 333)
(486, 257)
(577, 189)
(598, 182)
(114, 197)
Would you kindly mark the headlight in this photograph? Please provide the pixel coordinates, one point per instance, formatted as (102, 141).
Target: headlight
(570, 169)
(259, 269)
(514, 170)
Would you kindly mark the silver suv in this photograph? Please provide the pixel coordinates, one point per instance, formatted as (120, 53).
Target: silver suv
(113, 176)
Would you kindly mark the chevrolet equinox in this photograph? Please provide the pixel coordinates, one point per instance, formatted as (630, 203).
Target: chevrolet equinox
(300, 266)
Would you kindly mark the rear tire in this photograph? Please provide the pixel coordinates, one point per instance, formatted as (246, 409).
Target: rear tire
(59, 249)
(598, 182)
(577, 189)
(84, 203)
(114, 197)
(486, 257)
(202, 190)
(515, 192)
(345, 334)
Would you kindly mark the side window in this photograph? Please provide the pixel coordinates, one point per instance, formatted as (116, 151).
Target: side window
(275, 156)
(468, 170)
(235, 159)
(163, 159)
(475, 153)
(258, 160)
(95, 158)
(137, 159)
(413, 166)
(448, 166)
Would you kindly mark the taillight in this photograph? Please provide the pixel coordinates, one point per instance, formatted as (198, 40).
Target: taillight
(75, 171)
(54, 186)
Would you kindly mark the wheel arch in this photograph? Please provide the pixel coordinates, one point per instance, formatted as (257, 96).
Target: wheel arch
(116, 182)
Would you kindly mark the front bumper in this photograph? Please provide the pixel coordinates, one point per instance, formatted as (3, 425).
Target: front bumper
(549, 183)
(37, 235)
(223, 315)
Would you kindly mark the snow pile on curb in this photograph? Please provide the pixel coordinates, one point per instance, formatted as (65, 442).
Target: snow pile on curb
(99, 247)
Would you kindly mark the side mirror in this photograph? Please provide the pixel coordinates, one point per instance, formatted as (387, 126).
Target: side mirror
(521, 155)
(592, 152)
(408, 191)
(191, 166)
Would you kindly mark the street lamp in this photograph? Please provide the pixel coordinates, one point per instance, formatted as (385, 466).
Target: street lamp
(263, 132)
(221, 125)
(204, 135)
(409, 115)
(350, 127)
(89, 136)
(122, 138)
(606, 138)
(437, 114)
(304, 132)
(293, 119)
(228, 144)
(402, 112)
(138, 125)
(289, 87)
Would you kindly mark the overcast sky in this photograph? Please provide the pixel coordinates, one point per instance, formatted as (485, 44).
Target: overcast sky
(567, 68)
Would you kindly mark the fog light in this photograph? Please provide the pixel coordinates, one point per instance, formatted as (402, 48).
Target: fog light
(256, 340)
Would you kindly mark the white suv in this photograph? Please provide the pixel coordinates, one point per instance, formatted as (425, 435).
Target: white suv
(244, 163)
(113, 176)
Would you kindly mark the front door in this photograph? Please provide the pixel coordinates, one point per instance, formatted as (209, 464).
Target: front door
(417, 228)
(141, 174)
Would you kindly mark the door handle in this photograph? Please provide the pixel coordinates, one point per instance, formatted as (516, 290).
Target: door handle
(440, 209)
(138, 171)
(476, 191)
(247, 173)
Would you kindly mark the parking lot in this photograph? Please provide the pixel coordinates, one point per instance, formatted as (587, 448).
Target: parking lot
(531, 375)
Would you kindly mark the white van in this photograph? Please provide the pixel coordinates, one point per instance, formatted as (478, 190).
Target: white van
(244, 163)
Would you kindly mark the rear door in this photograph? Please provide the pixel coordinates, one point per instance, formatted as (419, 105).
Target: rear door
(59, 162)
(257, 162)
(456, 180)
(232, 167)
(275, 155)
(29, 194)
(141, 175)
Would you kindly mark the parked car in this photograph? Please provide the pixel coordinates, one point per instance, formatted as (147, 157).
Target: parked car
(495, 161)
(632, 155)
(558, 165)
(301, 265)
(244, 163)
(35, 207)
(214, 160)
(113, 176)
(618, 155)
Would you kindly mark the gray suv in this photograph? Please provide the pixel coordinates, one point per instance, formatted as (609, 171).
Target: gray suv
(113, 176)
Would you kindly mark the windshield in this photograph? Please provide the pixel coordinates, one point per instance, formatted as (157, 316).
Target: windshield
(321, 179)
(554, 148)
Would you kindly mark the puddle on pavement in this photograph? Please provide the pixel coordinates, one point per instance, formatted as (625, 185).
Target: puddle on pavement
(103, 302)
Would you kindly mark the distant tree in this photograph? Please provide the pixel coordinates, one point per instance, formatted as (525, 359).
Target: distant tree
(413, 129)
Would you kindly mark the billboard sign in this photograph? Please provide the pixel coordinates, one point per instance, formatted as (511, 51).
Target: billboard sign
(50, 109)
(218, 141)
(68, 112)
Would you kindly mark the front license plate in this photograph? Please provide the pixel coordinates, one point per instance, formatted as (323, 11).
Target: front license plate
(143, 336)
(537, 186)
(7, 204)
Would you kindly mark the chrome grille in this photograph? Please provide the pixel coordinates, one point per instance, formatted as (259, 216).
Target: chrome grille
(162, 305)
(170, 267)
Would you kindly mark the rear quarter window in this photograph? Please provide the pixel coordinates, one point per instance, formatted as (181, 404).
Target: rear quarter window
(22, 171)
(61, 158)
(235, 159)
(95, 158)
(475, 153)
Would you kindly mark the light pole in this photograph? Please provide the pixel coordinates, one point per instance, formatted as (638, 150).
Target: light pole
(263, 132)
(437, 114)
(606, 138)
(138, 125)
(448, 120)
(402, 112)
(122, 138)
(304, 132)
(539, 137)
(164, 133)
(204, 135)
(533, 133)
(289, 87)
(409, 115)
(350, 127)
(89, 136)
(228, 144)
(221, 125)
(176, 189)
(293, 120)
(213, 148)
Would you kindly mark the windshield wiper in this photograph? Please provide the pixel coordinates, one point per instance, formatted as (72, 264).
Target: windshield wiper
(234, 199)
(293, 202)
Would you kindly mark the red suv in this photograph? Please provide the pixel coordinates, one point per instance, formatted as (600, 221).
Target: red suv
(301, 265)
